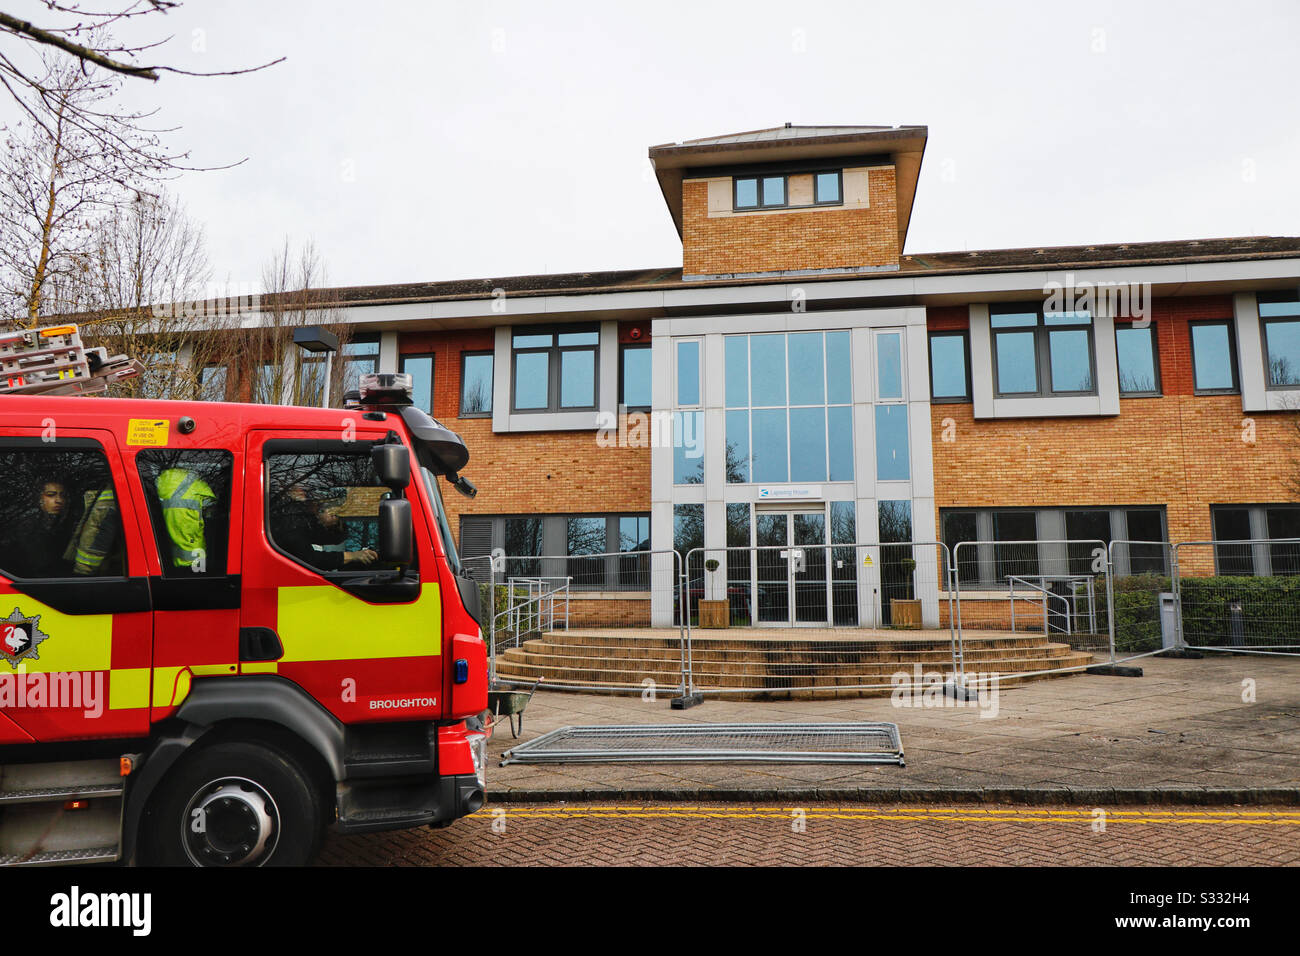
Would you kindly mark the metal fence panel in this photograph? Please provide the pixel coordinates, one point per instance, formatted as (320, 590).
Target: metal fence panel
(1239, 596)
(1138, 598)
(599, 622)
(801, 615)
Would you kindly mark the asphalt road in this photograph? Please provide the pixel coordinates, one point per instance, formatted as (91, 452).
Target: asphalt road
(837, 835)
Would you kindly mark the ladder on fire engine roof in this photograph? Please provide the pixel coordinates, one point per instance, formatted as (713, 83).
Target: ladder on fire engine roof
(53, 361)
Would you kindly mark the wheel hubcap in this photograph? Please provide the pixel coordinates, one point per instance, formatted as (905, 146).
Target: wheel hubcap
(230, 822)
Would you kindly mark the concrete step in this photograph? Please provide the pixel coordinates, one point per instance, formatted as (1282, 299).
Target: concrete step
(818, 654)
(735, 639)
(778, 676)
(822, 692)
(831, 665)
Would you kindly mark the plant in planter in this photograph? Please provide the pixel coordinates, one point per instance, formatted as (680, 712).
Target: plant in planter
(906, 612)
(714, 613)
(909, 568)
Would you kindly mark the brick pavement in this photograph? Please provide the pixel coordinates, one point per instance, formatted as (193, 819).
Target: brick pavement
(1181, 732)
(836, 835)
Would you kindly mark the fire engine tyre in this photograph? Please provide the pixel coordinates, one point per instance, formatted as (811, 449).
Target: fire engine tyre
(233, 804)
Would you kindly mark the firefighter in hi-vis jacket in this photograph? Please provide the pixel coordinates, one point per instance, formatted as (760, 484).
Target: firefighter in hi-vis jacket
(186, 499)
(94, 547)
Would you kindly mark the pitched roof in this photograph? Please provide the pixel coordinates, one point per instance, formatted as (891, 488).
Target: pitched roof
(785, 132)
(972, 262)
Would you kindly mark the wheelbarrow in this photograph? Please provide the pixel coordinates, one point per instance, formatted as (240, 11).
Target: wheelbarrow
(510, 702)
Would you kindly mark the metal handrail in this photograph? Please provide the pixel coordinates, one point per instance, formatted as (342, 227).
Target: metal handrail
(537, 611)
(1042, 588)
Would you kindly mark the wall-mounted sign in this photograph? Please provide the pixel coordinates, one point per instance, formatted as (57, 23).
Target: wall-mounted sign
(788, 492)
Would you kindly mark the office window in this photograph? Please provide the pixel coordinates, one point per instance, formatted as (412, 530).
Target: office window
(1086, 531)
(949, 368)
(828, 187)
(1021, 556)
(1139, 367)
(1087, 528)
(688, 448)
(420, 368)
(688, 529)
(360, 357)
(555, 370)
(1042, 353)
(894, 524)
(476, 384)
(789, 415)
(746, 196)
(956, 527)
(1279, 315)
(1283, 522)
(212, 383)
(688, 373)
(892, 461)
(889, 366)
(773, 190)
(634, 377)
(1256, 523)
(586, 536)
(1214, 357)
(523, 545)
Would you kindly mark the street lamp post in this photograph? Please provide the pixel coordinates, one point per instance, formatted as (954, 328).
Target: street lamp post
(315, 339)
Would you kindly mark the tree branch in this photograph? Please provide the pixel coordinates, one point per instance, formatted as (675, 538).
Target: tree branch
(23, 28)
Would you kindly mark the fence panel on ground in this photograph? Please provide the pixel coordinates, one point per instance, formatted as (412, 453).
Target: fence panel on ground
(1239, 596)
(591, 621)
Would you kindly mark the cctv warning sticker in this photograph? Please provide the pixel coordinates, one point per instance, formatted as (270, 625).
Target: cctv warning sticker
(147, 431)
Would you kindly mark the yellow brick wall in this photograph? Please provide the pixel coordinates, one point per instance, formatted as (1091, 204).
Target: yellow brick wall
(547, 473)
(820, 238)
(1185, 452)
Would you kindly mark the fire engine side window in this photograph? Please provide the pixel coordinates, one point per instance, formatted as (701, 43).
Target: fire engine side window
(189, 507)
(323, 509)
(59, 515)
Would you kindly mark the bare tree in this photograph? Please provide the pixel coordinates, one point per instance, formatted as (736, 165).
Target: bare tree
(142, 289)
(83, 38)
(271, 369)
(57, 179)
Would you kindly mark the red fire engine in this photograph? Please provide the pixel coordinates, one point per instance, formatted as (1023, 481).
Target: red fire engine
(226, 627)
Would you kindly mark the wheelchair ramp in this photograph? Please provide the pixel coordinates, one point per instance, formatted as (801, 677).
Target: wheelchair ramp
(830, 743)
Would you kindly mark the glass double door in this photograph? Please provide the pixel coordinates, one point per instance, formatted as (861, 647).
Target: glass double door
(790, 584)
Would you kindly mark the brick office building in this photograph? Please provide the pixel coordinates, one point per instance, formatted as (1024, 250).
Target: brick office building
(823, 386)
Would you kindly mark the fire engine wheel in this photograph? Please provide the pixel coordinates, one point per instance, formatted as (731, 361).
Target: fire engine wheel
(234, 804)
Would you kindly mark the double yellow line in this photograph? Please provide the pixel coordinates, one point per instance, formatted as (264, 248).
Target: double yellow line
(930, 814)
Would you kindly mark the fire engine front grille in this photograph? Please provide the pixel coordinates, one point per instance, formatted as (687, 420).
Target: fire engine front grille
(828, 743)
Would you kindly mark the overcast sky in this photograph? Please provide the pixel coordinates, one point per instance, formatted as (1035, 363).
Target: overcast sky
(423, 141)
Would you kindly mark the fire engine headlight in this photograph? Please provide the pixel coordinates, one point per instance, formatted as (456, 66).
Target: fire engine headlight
(478, 749)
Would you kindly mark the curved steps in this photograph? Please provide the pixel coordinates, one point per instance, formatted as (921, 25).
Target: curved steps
(773, 668)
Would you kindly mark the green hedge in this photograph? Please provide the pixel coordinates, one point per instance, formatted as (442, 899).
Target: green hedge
(1270, 610)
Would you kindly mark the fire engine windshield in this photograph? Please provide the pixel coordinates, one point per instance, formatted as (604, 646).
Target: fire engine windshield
(444, 529)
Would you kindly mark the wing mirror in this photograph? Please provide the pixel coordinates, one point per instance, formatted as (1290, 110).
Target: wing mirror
(396, 532)
(392, 463)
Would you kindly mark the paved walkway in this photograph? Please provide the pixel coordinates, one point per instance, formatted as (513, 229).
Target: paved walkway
(834, 835)
(1189, 731)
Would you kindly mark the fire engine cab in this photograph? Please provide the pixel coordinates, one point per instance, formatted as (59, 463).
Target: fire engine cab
(227, 628)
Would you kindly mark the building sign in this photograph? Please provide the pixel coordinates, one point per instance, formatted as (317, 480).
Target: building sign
(788, 492)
